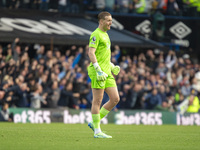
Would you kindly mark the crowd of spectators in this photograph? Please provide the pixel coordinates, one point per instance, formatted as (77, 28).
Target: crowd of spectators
(38, 77)
(168, 7)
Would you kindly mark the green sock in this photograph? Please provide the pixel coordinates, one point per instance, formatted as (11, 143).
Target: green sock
(96, 120)
(103, 112)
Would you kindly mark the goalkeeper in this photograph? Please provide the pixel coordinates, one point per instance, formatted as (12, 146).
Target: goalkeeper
(100, 71)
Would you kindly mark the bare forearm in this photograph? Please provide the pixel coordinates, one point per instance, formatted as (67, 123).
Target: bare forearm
(92, 58)
(92, 55)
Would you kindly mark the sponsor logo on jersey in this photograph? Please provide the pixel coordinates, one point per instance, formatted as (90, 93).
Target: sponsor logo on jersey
(94, 39)
(108, 45)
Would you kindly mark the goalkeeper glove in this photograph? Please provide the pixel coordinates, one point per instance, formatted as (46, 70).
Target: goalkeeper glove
(115, 69)
(101, 76)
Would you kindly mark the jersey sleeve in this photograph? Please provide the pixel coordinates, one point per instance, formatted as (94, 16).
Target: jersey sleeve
(94, 40)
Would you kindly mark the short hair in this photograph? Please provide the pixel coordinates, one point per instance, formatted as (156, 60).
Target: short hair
(103, 14)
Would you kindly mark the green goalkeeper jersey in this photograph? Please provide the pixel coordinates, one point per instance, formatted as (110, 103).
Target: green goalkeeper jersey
(101, 41)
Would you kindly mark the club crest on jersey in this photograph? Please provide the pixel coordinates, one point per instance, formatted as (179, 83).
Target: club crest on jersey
(108, 45)
(94, 39)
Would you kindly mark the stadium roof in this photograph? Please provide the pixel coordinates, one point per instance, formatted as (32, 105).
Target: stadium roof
(42, 27)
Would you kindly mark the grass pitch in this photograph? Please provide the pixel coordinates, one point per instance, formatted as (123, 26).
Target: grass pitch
(58, 136)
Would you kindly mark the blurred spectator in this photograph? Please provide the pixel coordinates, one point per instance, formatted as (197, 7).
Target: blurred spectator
(193, 104)
(172, 7)
(196, 82)
(115, 55)
(169, 105)
(136, 96)
(150, 59)
(16, 49)
(66, 97)
(75, 6)
(180, 6)
(125, 97)
(44, 5)
(109, 5)
(40, 51)
(2, 94)
(84, 60)
(152, 100)
(179, 97)
(37, 98)
(13, 4)
(192, 6)
(84, 90)
(161, 69)
(140, 6)
(123, 6)
(53, 95)
(163, 94)
(154, 5)
(186, 89)
(5, 114)
(24, 4)
(22, 95)
(63, 6)
(35, 4)
(149, 5)
(100, 5)
(88, 5)
(170, 59)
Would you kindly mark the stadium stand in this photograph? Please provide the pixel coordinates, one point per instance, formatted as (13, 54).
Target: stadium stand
(49, 75)
(168, 7)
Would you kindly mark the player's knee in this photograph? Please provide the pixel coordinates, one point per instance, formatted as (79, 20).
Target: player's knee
(116, 100)
(97, 102)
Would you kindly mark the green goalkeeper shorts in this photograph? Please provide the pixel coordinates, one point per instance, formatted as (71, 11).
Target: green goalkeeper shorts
(109, 82)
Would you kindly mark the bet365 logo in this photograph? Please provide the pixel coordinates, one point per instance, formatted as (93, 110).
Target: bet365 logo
(31, 116)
